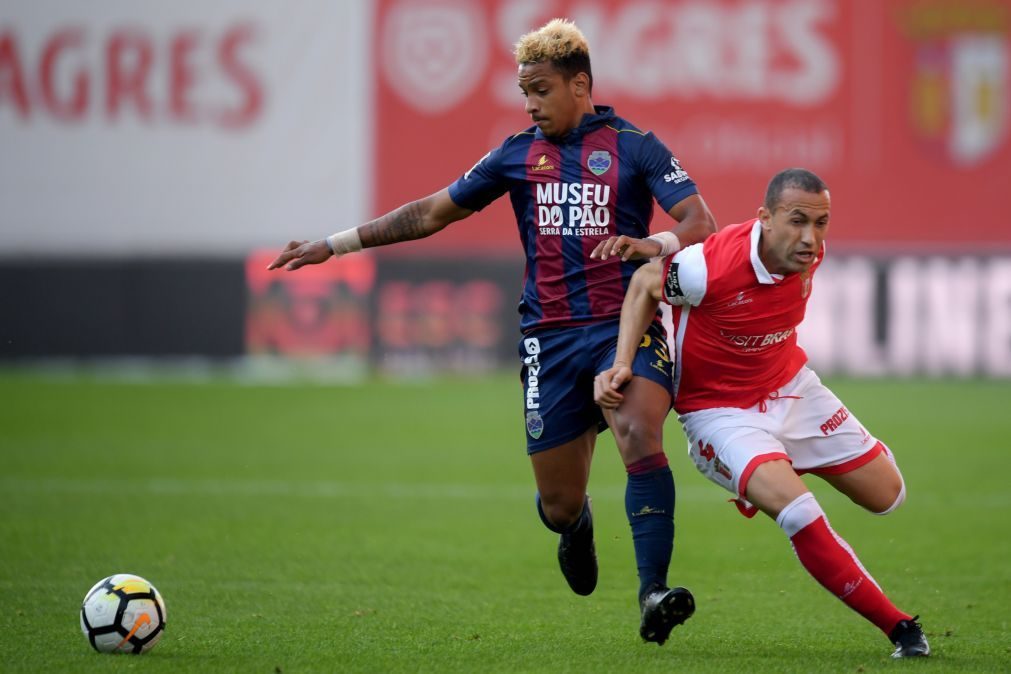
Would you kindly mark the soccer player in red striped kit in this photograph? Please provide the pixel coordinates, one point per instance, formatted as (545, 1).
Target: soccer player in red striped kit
(754, 414)
(578, 177)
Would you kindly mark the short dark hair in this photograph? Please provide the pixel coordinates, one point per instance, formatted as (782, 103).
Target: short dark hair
(797, 178)
(572, 65)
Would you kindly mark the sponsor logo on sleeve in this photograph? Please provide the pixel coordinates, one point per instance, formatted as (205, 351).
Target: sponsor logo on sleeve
(678, 175)
(466, 176)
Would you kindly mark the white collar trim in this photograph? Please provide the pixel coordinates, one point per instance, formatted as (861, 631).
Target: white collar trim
(761, 272)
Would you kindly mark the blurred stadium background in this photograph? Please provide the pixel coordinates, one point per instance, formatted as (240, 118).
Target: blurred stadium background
(155, 155)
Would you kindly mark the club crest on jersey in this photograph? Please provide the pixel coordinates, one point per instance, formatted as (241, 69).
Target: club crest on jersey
(723, 469)
(598, 162)
(535, 424)
(805, 285)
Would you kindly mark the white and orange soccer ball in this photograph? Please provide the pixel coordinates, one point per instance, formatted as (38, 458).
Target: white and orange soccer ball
(123, 614)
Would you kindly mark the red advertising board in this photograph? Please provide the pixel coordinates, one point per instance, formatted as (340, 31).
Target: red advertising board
(901, 106)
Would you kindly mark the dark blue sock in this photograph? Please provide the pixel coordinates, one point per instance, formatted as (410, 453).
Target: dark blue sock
(649, 504)
(584, 516)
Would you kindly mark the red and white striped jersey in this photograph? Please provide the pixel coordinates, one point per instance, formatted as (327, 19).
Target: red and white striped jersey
(735, 324)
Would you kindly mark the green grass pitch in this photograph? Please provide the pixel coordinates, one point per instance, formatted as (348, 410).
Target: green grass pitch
(390, 527)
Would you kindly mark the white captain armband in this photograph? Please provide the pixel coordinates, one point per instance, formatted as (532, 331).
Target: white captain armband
(685, 278)
(669, 243)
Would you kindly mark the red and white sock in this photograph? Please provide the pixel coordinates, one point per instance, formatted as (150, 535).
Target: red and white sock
(831, 561)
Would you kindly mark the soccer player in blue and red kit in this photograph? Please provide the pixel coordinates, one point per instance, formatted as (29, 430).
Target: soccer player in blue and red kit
(577, 178)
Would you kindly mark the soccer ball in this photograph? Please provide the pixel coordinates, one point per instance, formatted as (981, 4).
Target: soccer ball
(123, 614)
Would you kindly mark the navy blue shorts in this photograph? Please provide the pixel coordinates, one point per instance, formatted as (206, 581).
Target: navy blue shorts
(558, 369)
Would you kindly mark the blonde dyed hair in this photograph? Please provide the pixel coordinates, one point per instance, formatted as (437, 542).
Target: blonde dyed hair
(558, 41)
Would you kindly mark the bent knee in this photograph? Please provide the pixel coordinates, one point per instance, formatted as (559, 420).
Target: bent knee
(877, 487)
(891, 501)
(562, 509)
(887, 495)
(636, 438)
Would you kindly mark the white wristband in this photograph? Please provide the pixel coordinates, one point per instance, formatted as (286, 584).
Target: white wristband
(669, 243)
(344, 242)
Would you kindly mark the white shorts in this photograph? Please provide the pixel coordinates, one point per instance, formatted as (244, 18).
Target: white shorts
(803, 422)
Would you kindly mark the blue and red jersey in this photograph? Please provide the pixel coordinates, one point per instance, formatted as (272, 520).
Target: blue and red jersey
(569, 194)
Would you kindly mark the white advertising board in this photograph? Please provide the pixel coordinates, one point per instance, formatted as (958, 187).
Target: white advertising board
(181, 127)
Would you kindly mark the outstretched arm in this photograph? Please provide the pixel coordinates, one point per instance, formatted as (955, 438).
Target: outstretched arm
(414, 220)
(694, 223)
(637, 312)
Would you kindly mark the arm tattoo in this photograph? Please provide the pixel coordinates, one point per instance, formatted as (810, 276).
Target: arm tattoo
(404, 224)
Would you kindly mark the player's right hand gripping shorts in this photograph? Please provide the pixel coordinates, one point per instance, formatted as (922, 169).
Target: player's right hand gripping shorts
(559, 365)
(803, 422)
